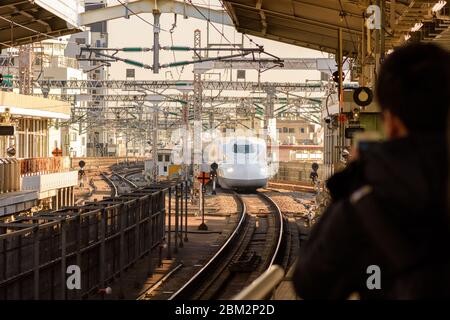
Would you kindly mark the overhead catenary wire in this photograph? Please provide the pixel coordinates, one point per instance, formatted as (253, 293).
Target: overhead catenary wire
(210, 23)
(137, 15)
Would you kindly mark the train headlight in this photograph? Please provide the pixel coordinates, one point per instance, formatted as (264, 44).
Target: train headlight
(230, 170)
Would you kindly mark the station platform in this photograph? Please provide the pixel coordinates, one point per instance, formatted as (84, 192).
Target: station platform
(17, 201)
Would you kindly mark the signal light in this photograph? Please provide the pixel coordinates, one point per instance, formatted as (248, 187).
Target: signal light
(336, 76)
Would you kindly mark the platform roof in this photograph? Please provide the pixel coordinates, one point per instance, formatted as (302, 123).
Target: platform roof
(36, 20)
(315, 23)
(26, 105)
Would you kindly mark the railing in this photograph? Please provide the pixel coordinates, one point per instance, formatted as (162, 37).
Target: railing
(96, 162)
(12, 169)
(102, 239)
(38, 166)
(263, 287)
(9, 175)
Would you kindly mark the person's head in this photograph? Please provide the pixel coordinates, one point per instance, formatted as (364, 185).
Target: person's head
(413, 90)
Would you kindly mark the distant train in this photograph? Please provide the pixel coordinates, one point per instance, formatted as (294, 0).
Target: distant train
(242, 162)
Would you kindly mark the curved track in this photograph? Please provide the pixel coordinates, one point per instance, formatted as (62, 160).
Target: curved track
(112, 185)
(251, 249)
(115, 187)
(125, 179)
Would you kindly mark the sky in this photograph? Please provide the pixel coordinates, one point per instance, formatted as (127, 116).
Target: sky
(135, 32)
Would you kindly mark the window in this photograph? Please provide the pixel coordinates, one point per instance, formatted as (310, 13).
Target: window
(80, 40)
(241, 74)
(130, 73)
(301, 156)
(302, 130)
(167, 157)
(291, 130)
(83, 141)
(285, 130)
(165, 168)
(243, 148)
(73, 136)
(160, 157)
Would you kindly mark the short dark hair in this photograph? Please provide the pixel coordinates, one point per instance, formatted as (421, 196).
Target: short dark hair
(414, 84)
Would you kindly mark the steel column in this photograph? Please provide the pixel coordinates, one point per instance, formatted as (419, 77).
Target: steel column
(169, 251)
(186, 211)
(177, 208)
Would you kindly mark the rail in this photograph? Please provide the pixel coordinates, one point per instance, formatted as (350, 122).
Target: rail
(279, 221)
(228, 249)
(188, 287)
(114, 189)
(125, 179)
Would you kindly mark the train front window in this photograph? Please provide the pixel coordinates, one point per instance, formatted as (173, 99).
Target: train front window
(243, 148)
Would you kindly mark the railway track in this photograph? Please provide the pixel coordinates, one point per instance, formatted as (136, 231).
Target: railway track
(116, 188)
(112, 185)
(256, 243)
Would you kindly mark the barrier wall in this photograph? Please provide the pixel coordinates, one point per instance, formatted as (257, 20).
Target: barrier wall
(101, 238)
(297, 171)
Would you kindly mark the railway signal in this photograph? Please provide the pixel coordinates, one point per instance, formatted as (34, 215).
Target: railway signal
(213, 175)
(204, 179)
(81, 173)
(57, 152)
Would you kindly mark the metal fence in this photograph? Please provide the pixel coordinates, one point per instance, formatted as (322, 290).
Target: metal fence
(11, 169)
(101, 238)
(37, 166)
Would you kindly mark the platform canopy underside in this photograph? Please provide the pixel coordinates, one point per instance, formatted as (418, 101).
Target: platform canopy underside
(315, 23)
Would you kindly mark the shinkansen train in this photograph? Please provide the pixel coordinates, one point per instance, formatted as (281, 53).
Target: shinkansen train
(242, 162)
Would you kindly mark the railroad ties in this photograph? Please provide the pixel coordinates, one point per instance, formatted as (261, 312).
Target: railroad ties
(254, 246)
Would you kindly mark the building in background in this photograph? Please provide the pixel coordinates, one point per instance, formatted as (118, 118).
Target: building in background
(47, 62)
(33, 173)
(101, 139)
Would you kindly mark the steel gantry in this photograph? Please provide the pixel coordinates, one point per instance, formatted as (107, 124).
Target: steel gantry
(137, 85)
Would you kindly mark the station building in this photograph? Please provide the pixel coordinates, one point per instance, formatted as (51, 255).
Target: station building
(48, 62)
(35, 175)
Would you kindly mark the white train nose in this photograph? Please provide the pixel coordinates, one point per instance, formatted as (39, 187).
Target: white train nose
(243, 176)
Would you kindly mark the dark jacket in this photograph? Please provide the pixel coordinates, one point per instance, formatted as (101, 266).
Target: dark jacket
(389, 209)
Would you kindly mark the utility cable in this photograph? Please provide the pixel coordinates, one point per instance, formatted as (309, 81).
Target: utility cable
(137, 15)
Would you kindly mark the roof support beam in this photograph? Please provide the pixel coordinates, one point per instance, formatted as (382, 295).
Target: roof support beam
(297, 18)
(147, 6)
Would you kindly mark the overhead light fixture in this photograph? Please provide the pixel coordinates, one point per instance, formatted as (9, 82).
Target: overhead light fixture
(438, 6)
(417, 26)
(407, 37)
